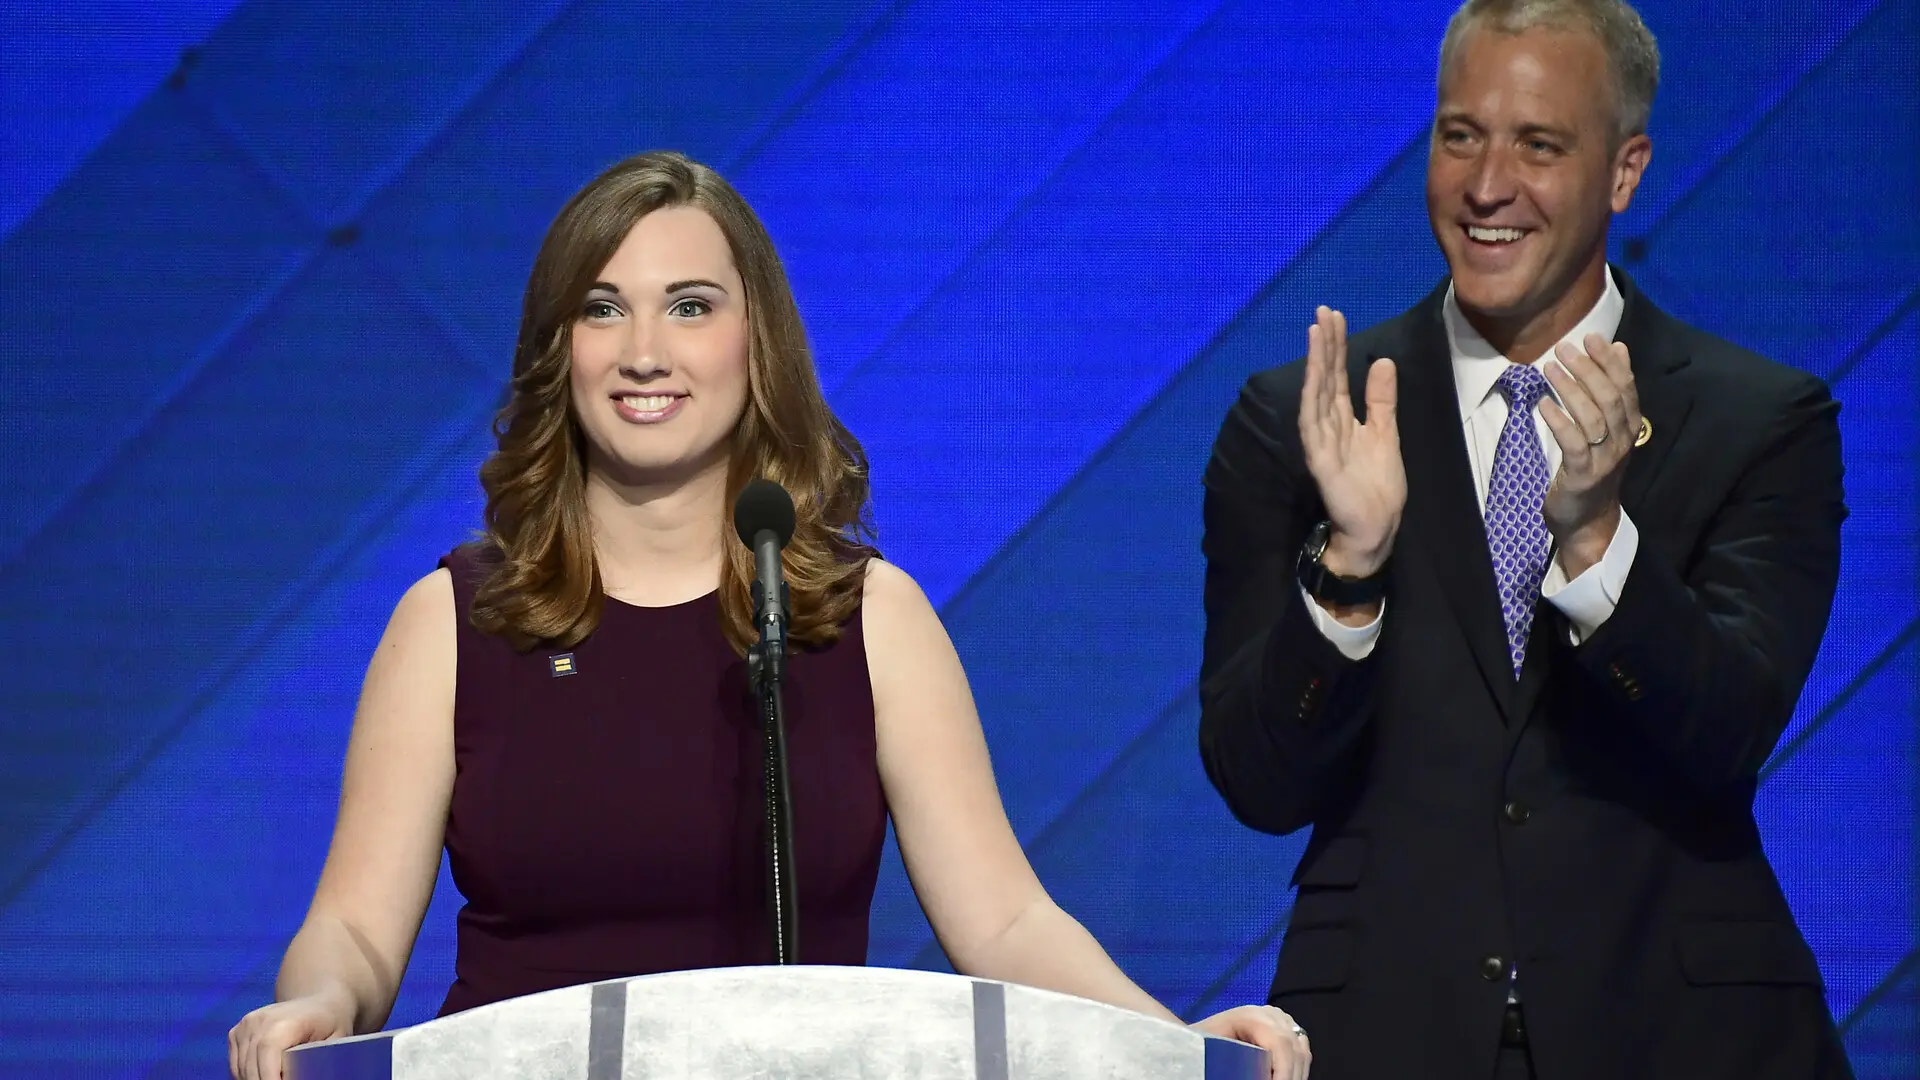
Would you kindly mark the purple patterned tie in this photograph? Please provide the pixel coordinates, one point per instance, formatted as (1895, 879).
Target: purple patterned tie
(1516, 533)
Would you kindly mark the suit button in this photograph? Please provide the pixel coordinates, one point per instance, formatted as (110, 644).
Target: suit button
(1517, 812)
(1493, 969)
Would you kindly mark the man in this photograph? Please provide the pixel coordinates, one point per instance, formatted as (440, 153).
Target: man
(1515, 628)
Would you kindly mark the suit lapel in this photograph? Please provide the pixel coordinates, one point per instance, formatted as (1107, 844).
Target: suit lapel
(1544, 642)
(1658, 351)
(1443, 514)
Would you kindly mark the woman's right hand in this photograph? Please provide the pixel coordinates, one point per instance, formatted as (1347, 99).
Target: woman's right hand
(257, 1046)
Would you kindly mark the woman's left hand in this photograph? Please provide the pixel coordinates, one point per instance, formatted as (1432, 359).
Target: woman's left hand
(1288, 1053)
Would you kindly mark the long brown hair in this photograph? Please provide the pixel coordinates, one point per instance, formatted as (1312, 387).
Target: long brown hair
(543, 582)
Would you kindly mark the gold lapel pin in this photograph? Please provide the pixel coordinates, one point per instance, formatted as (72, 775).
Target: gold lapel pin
(1646, 432)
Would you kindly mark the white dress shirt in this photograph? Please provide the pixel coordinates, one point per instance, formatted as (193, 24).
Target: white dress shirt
(1588, 600)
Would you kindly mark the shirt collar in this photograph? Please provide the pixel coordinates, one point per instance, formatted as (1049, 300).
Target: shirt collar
(1477, 365)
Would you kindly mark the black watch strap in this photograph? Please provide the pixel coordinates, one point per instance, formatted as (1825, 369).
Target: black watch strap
(1323, 584)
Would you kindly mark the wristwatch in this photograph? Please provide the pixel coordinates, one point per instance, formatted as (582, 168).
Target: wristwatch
(1323, 584)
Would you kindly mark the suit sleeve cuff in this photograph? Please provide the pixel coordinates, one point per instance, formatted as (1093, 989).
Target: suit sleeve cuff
(1354, 642)
(1588, 600)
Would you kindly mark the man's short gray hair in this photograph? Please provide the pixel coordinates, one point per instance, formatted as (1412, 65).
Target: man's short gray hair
(1633, 58)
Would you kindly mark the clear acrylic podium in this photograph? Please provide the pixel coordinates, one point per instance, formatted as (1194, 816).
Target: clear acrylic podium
(786, 1023)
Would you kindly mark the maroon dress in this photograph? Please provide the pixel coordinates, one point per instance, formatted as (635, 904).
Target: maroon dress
(607, 815)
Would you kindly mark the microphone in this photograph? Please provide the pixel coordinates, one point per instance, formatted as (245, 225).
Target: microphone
(763, 516)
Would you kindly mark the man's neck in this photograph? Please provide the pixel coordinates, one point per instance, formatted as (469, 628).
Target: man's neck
(1524, 340)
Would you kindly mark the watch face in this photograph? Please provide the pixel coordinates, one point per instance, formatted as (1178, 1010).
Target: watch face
(1317, 540)
(1314, 577)
(1322, 583)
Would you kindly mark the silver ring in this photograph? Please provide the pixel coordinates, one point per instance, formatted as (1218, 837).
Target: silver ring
(1601, 439)
(1300, 1031)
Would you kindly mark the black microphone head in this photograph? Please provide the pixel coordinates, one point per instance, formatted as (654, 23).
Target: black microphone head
(763, 505)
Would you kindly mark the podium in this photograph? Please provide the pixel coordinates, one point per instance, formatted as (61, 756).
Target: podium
(786, 1023)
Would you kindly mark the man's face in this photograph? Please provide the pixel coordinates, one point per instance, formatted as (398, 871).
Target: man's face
(1521, 175)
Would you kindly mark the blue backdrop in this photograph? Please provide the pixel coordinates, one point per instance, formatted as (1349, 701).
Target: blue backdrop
(262, 264)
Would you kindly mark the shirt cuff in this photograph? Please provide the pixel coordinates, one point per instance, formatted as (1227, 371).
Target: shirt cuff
(1588, 600)
(1354, 642)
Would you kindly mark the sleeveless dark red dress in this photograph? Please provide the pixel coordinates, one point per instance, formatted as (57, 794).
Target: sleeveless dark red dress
(606, 817)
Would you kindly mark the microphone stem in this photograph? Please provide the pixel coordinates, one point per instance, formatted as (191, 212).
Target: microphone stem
(767, 670)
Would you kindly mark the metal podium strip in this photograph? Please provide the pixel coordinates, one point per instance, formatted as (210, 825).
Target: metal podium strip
(607, 1031)
(989, 1031)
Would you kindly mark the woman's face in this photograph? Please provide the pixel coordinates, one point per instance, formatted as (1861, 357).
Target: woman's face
(659, 365)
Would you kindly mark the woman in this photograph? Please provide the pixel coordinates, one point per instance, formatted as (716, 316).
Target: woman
(564, 705)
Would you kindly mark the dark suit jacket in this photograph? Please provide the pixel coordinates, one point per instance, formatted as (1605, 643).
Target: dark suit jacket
(1592, 821)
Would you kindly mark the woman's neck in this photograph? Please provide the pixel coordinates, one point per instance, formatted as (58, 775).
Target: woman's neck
(658, 544)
